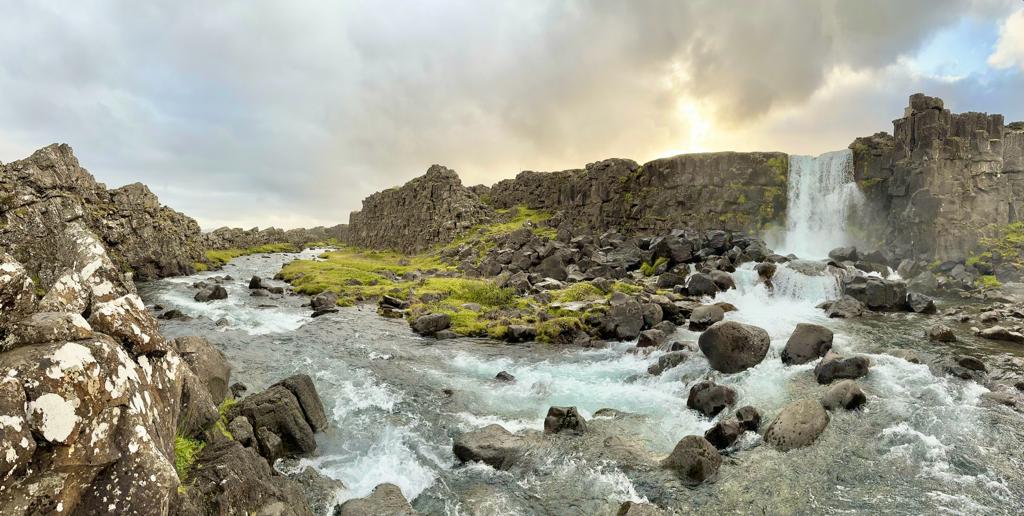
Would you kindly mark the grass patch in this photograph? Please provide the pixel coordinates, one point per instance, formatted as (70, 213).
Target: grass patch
(352, 272)
(987, 282)
(186, 450)
(648, 269)
(585, 291)
(222, 421)
(217, 258)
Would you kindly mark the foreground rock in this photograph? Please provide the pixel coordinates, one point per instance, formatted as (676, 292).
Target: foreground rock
(564, 419)
(846, 394)
(808, 342)
(798, 425)
(709, 398)
(694, 459)
(837, 367)
(492, 445)
(386, 499)
(732, 347)
(431, 324)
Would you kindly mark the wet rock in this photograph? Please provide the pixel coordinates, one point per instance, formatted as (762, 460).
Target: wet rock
(808, 342)
(318, 489)
(241, 430)
(505, 376)
(694, 459)
(430, 324)
(564, 419)
(213, 293)
(971, 363)
(845, 307)
(257, 283)
(651, 339)
(323, 311)
(667, 361)
(749, 418)
(625, 319)
(704, 316)
(445, 335)
(920, 303)
(732, 347)
(230, 479)
(670, 280)
(301, 386)
(798, 425)
(278, 411)
(47, 327)
(386, 499)
(639, 509)
(324, 301)
(723, 280)
(238, 389)
(906, 354)
(174, 315)
(492, 445)
(941, 333)
(1001, 333)
(845, 394)
(701, 284)
(724, 433)
(520, 333)
(259, 292)
(765, 271)
(836, 367)
(844, 254)
(208, 363)
(709, 398)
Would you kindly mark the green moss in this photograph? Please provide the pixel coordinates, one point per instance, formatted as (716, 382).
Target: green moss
(550, 330)
(218, 257)
(584, 291)
(987, 282)
(868, 183)
(222, 421)
(626, 288)
(200, 267)
(780, 164)
(648, 269)
(742, 199)
(186, 450)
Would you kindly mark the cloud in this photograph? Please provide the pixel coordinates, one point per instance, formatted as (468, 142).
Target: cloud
(261, 112)
(1010, 48)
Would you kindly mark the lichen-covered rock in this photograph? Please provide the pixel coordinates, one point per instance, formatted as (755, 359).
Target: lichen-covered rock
(42, 327)
(798, 425)
(385, 499)
(49, 189)
(16, 442)
(127, 320)
(17, 291)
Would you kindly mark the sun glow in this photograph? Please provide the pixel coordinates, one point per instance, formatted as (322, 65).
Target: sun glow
(695, 126)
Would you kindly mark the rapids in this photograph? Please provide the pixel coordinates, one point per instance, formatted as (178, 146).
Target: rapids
(923, 444)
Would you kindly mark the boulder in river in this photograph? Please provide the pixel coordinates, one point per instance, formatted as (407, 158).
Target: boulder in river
(505, 376)
(430, 324)
(723, 280)
(845, 307)
(834, 366)
(704, 316)
(213, 293)
(301, 385)
(941, 333)
(798, 425)
(844, 254)
(920, 303)
(651, 339)
(278, 411)
(386, 499)
(701, 284)
(257, 283)
(709, 398)
(724, 433)
(845, 394)
(732, 347)
(694, 459)
(808, 342)
(324, 300)
(749, 418)
(667, 361)
(625, 319)
(1002, 333)
(492, 445)
(564, 419)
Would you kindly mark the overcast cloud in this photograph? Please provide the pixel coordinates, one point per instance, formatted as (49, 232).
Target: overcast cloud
(289, 113)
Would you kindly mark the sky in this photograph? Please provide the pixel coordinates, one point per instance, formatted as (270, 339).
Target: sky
(288, 113)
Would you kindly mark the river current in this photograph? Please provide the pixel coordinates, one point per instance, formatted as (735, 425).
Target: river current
(924, 443)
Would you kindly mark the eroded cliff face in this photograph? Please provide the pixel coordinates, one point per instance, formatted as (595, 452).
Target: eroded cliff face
(41, 193)
(942, 181)
(430, 209)
(238, 238)
(724, 190)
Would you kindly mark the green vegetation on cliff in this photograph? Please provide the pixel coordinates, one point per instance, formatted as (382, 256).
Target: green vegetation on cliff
(186, 450)
(1004, 248)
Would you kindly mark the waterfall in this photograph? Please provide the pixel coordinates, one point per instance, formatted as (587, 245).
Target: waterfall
(822, 194)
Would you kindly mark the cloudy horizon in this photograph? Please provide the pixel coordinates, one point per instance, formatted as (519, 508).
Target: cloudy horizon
(260, 113)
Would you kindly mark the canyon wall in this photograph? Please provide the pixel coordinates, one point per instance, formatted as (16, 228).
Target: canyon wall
(238, 238)
(49, 189)
(941, 181)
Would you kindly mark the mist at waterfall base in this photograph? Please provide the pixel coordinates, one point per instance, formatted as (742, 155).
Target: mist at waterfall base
(923, 443)
(822, 197)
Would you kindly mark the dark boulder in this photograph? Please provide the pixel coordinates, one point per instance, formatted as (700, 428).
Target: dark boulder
(766, 271)
(723, 280)
(749, 418)
(385, 500)
(701, 284)
(651, 339)
(492, 445)
(257, 282)
(724, 433)
(844, 254)
(430, 324)
(208, 363)
(669, 280)
(564, 419)
(836, 367)
(277, 410)
(319, 490)
(673, 249)
(845, 307)
(704, 316)
(709, 398)
(667, 361)
(324, 300)
(301, 385)
(505, 376)
(241, 430)
(920, 303)
(520, 333)
(624, 320)
(694, 459)
(213, 293)
(808, 342)
(941, 333)
(732, 347)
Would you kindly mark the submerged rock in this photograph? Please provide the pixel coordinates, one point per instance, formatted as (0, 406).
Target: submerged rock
(1001, 333)
(798, 425)
(562, 419)
(941, 333)
(808, 342)
(709, 398)
(732, 347)
(667, 361)
(836, 367)
(694, 459)
(492, 445)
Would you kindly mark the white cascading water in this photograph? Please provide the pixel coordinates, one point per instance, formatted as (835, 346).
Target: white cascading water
(822, 195)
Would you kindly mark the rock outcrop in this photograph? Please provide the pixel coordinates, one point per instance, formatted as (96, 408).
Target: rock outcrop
(238, 238)
(428, 210)
(42, 193)
(942, 180)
